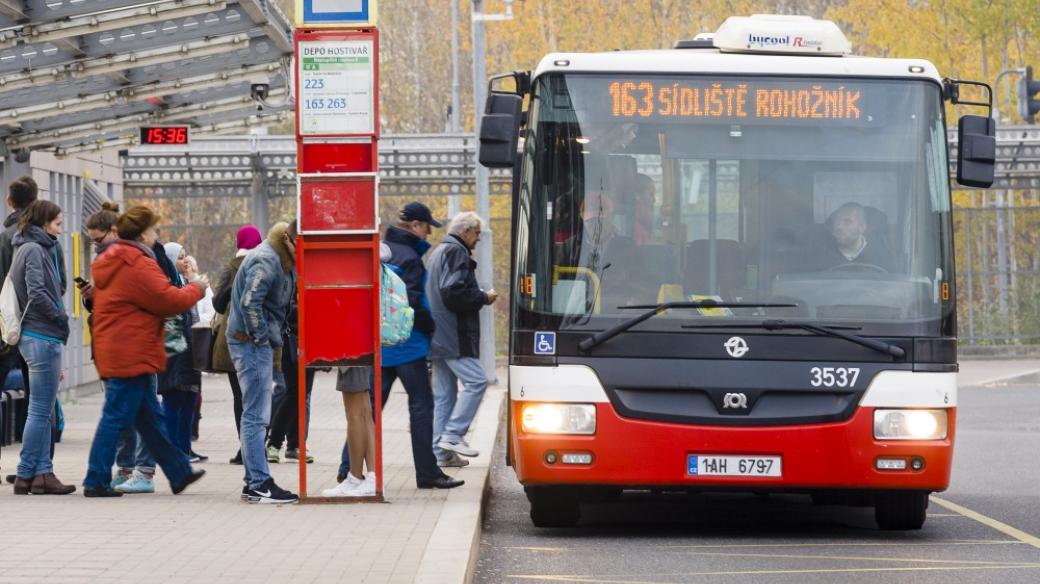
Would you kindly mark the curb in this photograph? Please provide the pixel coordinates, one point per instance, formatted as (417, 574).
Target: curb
(447, 558)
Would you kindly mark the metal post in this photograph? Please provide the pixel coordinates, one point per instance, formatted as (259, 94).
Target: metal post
(454, 198)
(970, 275)
(1001, 258)
(485, 258)
(258, 194)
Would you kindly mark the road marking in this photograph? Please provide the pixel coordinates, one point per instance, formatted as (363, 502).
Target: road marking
(609, 580)
(990, 522)
(855, 558)
(850, 544)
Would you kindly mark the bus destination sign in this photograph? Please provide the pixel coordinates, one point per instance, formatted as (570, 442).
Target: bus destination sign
(734, 100)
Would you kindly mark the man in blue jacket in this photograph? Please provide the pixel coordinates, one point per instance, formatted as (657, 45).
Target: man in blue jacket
(406, 239)
(259, 303)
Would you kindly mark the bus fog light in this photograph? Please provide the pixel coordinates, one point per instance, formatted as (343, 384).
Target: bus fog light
(890, 464)
(550, 457)
(917, 463)
(545, 418)
(910, 424)
(577, 458)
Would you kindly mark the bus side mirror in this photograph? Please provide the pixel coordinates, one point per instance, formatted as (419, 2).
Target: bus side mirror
(976, 151)
(500, 130)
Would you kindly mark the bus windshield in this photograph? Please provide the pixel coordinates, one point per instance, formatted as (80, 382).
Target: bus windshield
(828, 194)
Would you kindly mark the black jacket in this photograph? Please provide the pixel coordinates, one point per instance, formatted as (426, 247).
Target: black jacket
(180, 374)
(455, 300)
(407, 250)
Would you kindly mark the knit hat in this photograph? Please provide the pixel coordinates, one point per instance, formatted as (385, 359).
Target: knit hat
(248, 237)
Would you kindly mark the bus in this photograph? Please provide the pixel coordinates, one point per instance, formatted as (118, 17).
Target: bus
(733, 270)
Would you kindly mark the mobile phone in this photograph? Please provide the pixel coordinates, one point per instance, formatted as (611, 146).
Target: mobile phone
(79, 281)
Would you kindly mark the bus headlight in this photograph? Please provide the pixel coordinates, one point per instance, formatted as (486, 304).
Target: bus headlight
(542, 418)
(910, 424)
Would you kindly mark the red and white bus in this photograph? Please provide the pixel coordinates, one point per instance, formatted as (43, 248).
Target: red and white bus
(733, 269)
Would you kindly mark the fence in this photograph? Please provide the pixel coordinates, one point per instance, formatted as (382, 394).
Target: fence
(998, 270)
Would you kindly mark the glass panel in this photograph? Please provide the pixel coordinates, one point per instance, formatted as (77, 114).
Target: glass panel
(828, 194)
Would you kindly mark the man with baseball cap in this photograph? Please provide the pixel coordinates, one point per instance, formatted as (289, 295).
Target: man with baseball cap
(406, 239)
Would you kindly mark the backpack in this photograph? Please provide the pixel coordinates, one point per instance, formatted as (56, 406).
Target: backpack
(396, 316)
(11, 314)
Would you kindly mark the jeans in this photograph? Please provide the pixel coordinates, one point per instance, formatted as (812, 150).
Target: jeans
(179, 411)
(344, 459)
(416, 380)
(255, 367)
(131, 453)
(453, 411)
(236, 399)
(44, 360)
(132, 402)
(285, 423)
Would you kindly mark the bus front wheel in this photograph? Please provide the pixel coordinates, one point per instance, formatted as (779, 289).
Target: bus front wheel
(901, 510)
(554, 506)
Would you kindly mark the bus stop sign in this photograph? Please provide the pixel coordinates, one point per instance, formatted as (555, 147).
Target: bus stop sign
(335, 13)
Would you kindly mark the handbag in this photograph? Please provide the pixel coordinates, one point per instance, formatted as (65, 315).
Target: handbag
(174, 335)
(202, 347)
(11, 314)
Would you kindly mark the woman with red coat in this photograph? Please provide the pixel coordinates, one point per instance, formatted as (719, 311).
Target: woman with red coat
(132, 298)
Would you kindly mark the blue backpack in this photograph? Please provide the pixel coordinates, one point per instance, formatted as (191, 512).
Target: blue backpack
(397, 317)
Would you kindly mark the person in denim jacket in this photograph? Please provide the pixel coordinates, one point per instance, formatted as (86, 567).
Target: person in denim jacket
(259, 304)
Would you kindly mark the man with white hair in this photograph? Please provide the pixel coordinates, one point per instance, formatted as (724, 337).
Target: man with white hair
(455, 302)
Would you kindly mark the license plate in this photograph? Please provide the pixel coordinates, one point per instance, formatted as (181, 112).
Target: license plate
(732, 466)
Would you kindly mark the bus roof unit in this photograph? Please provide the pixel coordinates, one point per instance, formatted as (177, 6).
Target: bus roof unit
(774, 33)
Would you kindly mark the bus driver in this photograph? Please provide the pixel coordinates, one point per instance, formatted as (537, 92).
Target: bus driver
(848, 228)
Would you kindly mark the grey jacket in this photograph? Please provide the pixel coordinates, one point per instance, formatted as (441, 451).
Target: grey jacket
(39, 279)
(260, 297)
(455, 300)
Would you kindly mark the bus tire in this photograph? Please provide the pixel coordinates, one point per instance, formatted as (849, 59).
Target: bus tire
(901, 510)
(554, 507)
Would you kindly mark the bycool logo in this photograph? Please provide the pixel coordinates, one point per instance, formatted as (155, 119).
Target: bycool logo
(736, 347)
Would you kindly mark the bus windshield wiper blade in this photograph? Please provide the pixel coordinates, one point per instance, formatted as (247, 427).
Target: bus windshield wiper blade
(655, 309)
(830, 331)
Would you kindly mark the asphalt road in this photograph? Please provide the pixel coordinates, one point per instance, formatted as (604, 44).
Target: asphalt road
(989, 532)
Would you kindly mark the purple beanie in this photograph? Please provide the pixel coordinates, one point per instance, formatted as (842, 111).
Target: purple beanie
(248, 237)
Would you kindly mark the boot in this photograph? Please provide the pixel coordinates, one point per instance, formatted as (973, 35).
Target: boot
(22, 486)
(48, 484)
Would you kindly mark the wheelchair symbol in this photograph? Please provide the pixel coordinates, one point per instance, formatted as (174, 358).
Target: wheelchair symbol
(545, 343)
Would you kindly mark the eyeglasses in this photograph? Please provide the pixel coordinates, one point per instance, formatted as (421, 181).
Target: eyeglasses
(99, 240)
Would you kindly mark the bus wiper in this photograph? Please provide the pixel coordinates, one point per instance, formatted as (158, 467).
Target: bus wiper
(655, 309)
(830, 331)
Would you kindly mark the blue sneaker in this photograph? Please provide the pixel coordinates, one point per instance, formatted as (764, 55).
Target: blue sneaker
(137, 484)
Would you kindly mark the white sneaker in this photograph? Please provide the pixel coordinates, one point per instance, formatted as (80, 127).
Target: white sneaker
(343, 489)
(459, 448)
(366, 488)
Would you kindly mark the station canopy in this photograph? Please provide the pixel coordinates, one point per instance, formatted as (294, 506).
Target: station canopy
(79, 75)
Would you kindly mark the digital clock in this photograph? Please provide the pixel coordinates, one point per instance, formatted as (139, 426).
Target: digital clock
(164, 135)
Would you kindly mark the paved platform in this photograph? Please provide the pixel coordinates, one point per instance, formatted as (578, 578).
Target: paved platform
(208, 535)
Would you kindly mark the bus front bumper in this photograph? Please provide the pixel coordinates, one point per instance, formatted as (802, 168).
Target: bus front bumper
(637, 454)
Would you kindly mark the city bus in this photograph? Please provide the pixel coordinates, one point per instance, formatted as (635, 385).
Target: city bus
(733, 270)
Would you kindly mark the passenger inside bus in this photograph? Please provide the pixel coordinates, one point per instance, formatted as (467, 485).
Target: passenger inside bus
(643, 215)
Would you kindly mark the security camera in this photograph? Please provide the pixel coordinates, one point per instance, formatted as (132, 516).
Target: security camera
(260, 91)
